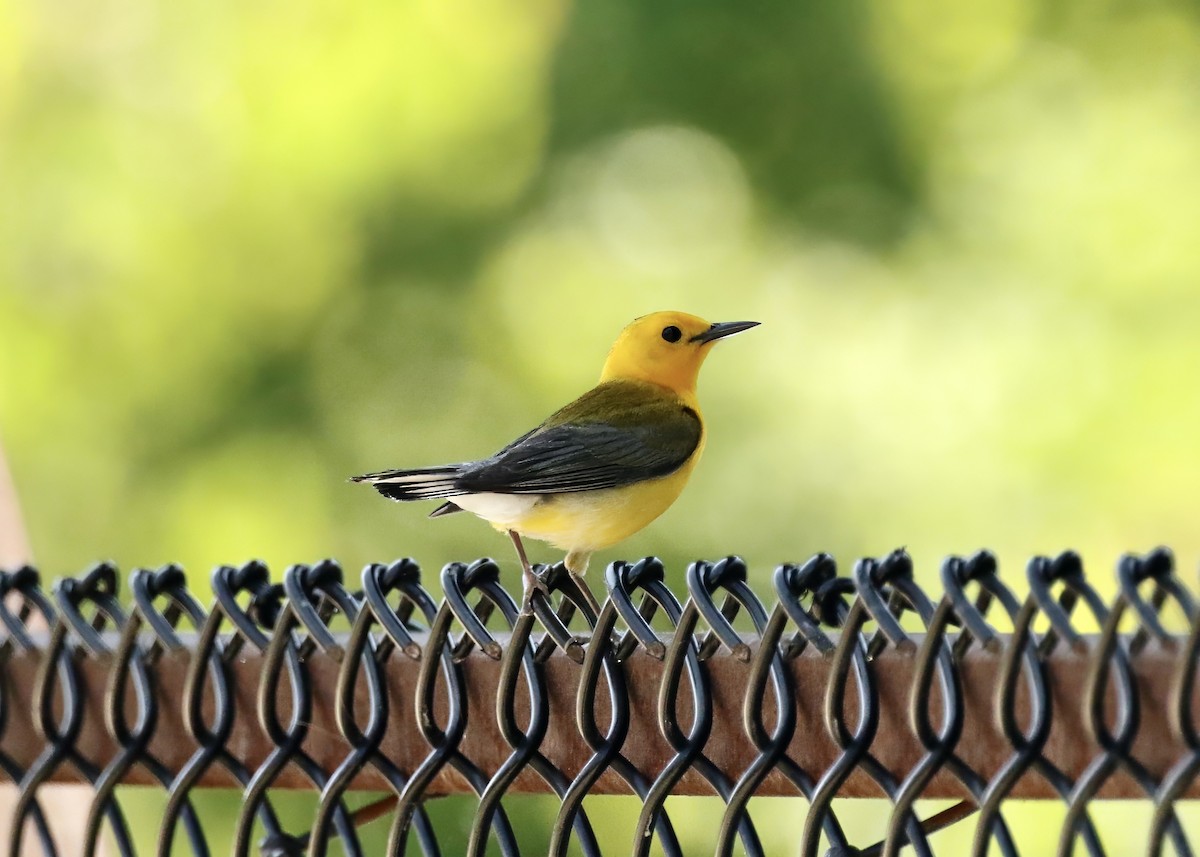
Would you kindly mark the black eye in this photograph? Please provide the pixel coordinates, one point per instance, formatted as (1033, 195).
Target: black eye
(672, 333)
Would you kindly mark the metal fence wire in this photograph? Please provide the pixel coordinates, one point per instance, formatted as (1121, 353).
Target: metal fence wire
(838, 686)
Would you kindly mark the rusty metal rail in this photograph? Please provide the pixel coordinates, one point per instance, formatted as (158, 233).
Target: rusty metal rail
(824, 694)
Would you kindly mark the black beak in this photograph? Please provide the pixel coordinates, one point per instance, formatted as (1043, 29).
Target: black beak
(722, 329)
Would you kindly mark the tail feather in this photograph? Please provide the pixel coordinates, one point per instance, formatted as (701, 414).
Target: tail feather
(425, 483)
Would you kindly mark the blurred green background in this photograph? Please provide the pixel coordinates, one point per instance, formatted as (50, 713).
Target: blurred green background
(249, 249)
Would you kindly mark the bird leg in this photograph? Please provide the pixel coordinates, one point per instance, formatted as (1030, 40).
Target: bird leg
(576, 564)
(530, 581)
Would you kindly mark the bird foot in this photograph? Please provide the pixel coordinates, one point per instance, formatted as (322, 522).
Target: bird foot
(585, 591)
(535, 580)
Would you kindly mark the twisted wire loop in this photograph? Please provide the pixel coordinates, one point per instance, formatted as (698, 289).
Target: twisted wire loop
(1111, 655)
(1020, 657)
(1157, 567)
(600, 655)
(1110, 661)
(443, 656)
(313, 593)
(817, 580)
(592, 698)
(623, 581)
(882, 604)
(132, 660)
(887, 589)
(367, 655)
(93, 593)
(1042, 574)
(24, 587)
(684, 653)
(208, 678)
(1183, 724)
(519, 661)
(729, 575)
(958, 609)
(850, 654)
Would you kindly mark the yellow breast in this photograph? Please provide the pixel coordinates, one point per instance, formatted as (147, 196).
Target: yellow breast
(587, 521)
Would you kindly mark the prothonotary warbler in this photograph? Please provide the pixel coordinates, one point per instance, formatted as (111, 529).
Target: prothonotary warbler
(601, 468)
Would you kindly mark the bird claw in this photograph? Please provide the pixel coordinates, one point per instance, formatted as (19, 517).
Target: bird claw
(585, 591)
(535, 581)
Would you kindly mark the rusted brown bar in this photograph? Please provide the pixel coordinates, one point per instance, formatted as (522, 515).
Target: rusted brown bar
(1071, 745)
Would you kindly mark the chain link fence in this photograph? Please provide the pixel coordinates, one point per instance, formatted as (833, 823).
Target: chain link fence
(832, 687)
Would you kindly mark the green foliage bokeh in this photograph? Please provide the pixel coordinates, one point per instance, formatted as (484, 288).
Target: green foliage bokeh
(247, 250)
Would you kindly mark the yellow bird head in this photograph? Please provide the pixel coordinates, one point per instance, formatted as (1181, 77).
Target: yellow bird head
(666, 348)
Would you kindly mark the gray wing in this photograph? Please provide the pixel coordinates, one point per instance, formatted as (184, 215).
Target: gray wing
(587, 456)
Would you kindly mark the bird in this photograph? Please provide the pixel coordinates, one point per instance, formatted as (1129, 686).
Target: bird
(597, 470)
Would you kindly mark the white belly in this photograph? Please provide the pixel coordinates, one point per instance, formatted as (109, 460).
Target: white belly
(579, 521)
(502, 510)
